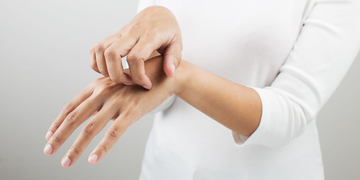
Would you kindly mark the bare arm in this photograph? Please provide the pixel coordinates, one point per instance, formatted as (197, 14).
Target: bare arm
(235, 106)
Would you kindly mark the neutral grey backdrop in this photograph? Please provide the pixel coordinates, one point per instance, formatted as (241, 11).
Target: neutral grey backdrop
(44, 64)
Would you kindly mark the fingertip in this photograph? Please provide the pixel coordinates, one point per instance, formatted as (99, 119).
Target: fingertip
(93, 158)
(172, 70)
(66, 162)
(148, 84)
(128, 83)
(169, 70)
(128, 80)
(48, 150)
(147, 87)
(169, 65)
(94, 113)
(48, 135)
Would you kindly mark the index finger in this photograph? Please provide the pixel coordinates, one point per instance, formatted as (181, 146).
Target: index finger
(141, 52)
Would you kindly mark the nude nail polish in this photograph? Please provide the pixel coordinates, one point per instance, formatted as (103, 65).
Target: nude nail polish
(128, 83)
(48, 135)
(173, 68)
(48, 149)
(93, 158)
(66, 161)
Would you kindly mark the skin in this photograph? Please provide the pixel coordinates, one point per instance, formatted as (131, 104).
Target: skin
(107, 100)
(153, 29)
(233, 105)
(113, 97)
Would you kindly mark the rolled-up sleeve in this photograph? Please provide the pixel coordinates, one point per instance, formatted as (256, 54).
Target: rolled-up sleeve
(325, 49)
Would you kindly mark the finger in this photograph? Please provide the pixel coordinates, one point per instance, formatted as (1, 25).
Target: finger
(100, 48)
(172, 58)
(90, 130)
(113, 56)
(146, 47)
(136, 58)
(74, 103)
(70, 123)
(115, 131)
(93, 63)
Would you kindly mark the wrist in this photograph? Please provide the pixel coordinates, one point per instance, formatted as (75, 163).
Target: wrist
(181, 77)
(154, 70)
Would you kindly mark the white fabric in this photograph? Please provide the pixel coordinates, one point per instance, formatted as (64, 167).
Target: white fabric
(294, 53)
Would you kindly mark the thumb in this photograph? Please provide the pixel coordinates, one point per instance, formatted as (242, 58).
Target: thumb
(172, 58)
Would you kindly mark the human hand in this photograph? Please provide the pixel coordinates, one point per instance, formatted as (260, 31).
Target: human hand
(125, 104)
(153, 29)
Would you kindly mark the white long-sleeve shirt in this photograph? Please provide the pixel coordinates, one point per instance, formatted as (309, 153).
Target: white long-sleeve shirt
(294, 53)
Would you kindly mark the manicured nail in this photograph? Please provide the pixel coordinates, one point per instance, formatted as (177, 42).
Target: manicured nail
(48, 149)
(128, 83)
(173, 68)
(171, 61)
(66, 162)
(48, 135)
(93, 158)
(146, 87)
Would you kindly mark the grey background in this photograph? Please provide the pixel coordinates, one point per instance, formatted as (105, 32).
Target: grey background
(44, 64)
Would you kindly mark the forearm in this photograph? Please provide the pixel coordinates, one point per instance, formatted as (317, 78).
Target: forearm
(235, 106)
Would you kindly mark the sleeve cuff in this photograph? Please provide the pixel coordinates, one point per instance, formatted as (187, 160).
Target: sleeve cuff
(257, 137)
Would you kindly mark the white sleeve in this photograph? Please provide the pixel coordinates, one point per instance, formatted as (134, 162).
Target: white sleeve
(325, 49)
(144, 4)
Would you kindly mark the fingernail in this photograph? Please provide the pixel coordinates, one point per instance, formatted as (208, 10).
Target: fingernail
(66, 162)
(93, 158)
(48, 149)
(128, 83)
(173, 68)
(146, 87)
(48, 135)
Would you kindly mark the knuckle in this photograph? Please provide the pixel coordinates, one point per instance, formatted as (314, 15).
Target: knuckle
(103, 148)
(96, 82)
(116, 79)
(56, 138)
(68, 108)
(55, 126)
(93, 64)
(109, 54)
(178, 59)
(134, 26)
(70, 119)
(74, 150)
(129, 112)
(92, 49)
(103, 71)
(89, 129)
(114, 133)
(133, 57)
(103, 89)
(98, 47)
(156, 34)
